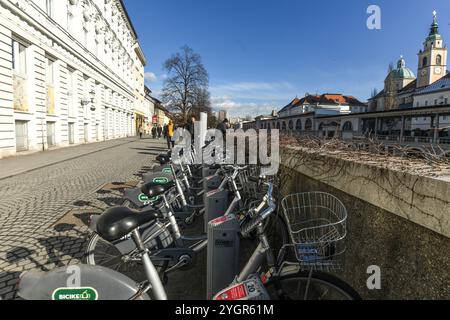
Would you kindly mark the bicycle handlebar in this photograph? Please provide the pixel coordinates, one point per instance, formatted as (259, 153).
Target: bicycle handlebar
(252, 224)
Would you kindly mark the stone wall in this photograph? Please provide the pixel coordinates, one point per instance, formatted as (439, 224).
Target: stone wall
(396, 221)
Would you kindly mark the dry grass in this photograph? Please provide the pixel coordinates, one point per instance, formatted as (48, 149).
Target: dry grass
(430, 162)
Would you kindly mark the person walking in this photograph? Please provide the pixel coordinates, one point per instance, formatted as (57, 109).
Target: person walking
(159, 130)
(169, 135)
(154, 132)
(165, 131)
(190, 126)
(223, 127)
(141, 132)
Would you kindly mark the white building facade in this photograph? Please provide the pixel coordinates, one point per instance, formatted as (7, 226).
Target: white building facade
(67, 73)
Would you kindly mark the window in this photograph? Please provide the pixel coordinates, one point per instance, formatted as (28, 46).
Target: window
(50, 78)
(70, 17)
(86, 132)
(417, 104)
(51, 141)
(426, 103)
(70, 91)
(348, 126)
(21, 136)
(71, 133)
(446, 101)
(97, 44)
(424, 62)
(298, 125)
(435, 102)
(50, 72)
(86, 36)
(86, 96)
(19, 59)
(439, 60)
(49, 8)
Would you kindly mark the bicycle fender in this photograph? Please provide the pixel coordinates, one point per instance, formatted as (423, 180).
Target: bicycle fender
(79, 282)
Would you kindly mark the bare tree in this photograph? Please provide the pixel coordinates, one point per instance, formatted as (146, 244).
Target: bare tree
(186, 88)
(202, 102)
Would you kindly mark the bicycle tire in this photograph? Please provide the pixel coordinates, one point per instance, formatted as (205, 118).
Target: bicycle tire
(277, 287)
(134, 270)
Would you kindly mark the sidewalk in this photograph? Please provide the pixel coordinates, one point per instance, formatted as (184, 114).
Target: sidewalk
(14, 166)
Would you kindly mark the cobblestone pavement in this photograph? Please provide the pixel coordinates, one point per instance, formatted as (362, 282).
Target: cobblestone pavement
(43, 212)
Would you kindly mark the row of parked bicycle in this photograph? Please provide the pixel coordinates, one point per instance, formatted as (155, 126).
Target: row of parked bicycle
(135, 248)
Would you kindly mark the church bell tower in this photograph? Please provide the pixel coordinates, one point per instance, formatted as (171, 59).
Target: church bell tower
(433, 57)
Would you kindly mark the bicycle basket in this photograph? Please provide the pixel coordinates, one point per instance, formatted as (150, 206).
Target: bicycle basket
(317, 226)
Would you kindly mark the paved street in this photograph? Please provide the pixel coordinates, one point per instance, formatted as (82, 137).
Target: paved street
(44, 206)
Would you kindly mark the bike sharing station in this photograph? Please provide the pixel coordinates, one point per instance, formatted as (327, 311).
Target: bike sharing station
(146, 236)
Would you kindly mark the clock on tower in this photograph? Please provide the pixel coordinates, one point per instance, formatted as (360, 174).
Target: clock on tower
(433, 57)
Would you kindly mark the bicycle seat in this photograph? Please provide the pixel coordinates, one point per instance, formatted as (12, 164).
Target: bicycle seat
(163, 159)
(116, 223)
(153, 189)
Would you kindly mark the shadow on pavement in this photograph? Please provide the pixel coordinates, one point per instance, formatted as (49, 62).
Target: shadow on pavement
(20, 254)
(85, 217)
(112, 201)
(86, 205)
(9, 291)
(151, 149)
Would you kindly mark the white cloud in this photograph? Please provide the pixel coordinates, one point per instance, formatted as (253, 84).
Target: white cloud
(150, 77)
(251, 98)
(242, 109)
(255, 90)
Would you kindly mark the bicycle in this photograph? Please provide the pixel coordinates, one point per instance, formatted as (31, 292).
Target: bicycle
(277, 279)
(170, 250)
(249, 284)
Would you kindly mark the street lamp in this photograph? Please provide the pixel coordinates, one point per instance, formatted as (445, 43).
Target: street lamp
(91, 101)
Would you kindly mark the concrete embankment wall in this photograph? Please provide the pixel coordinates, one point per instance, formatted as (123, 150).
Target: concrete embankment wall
(397, 221)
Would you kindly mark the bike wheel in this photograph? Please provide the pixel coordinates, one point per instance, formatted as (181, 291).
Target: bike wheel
(103, 253)
(310, 286)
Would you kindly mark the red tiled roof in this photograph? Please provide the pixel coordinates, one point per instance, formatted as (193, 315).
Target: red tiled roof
(328, 98)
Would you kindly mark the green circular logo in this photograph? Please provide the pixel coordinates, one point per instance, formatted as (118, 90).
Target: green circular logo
(161, 180)
(75, 294)
(145, 199)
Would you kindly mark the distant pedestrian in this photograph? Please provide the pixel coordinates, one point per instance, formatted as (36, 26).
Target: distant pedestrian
(165, 131)
(159, 130)
(154, 132)
(169, 135)
(223, 127)
(141, 132)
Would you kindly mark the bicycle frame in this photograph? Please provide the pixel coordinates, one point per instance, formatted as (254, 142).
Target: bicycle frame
(127, 246)
(262, 254)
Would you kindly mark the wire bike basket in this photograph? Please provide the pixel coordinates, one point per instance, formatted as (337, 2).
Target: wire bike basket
(317, 226)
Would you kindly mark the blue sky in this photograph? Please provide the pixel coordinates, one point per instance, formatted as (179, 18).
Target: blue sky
(260, 54)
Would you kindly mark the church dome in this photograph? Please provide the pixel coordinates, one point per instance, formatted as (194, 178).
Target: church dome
(402, 72)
